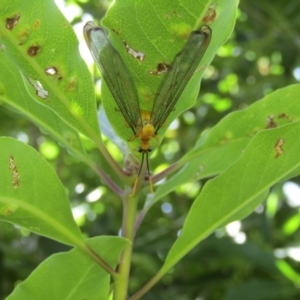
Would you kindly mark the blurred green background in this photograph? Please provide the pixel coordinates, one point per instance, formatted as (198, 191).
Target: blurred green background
(257, 258)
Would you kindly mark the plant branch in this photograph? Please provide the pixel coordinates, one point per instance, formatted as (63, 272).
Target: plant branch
(108, 181)
(129, 216)
(148, 285)
(99, 260)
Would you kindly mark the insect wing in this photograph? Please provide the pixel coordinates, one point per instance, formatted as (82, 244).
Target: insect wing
(114, 73)
(178, 75)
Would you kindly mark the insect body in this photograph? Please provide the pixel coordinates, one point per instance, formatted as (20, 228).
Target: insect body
(145, 125)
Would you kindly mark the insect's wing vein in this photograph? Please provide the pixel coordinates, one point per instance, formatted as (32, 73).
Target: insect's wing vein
(178, 75)
(114, 73)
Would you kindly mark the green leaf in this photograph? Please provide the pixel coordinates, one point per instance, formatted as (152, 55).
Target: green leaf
(32, 196)
(158, 31)
(225, 143)
(14, 94)
(271, 155)
(42, 45)
(205, 162)
(288, 271)
(73, 275)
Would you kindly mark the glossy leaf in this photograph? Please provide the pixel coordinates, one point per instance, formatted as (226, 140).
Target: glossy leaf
(272, 155)
(15, 95)
(32, 196)
(73, 275)
(145, 51)
(225, 143)
(42, 45)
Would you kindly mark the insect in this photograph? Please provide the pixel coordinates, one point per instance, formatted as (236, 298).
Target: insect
(145, 125)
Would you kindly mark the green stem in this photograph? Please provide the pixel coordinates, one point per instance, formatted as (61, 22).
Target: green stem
(129, 216)
(148, 285)
(99, 260)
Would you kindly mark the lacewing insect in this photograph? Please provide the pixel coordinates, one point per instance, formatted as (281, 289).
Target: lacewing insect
(145, 125)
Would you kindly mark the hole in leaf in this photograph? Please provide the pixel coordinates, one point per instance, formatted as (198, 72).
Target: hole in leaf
(211, 14)
(161, 68)
(15, 173)
(39, 89)
(270, 122)
(33, 50)
(51, 71)
(12, 22)
(136, 54)
(278, 147)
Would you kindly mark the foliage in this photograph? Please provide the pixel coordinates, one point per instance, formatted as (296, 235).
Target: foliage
(251, 153)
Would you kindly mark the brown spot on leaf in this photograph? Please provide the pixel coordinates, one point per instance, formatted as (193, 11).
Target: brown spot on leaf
(278, 147)
(115, 31)
(36, 24)
(33, 50)
(161, 68)
(72, 84)
(23, 35)
(15, 173)
(210, 15)
(7, 209)
(283, 116)
(2, 47)
(270, 122)
(12, 22)
(136, 54)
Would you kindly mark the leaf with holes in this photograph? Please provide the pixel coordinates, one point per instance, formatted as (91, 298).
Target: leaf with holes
(14, 94)
(32, 196)
(42, 45)
(148, 35)
(225, 143)
(271, 156)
